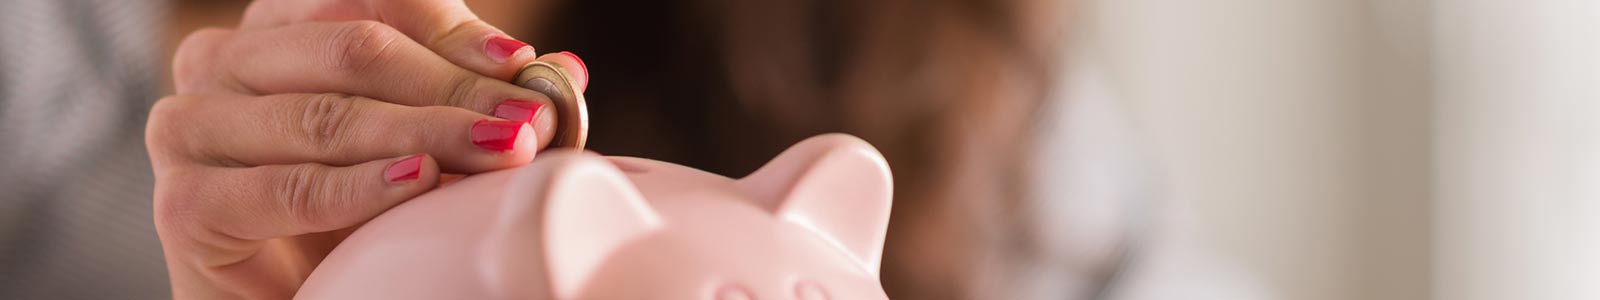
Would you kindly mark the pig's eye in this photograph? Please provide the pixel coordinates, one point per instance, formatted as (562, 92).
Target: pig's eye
(809, 290)
(733, 291)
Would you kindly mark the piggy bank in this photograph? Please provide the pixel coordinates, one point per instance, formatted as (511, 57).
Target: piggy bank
(809, 225)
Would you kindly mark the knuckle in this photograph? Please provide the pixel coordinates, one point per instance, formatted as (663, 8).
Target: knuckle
(176, 203)
(298, 191)
(161, 128)
(460, 91)
(166, 110)
(171, 108)
(322, 120)
(359, 45)
(194, 56)
(462, 29)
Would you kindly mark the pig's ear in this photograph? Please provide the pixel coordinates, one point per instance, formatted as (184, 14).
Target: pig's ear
(581, 209)
(836, 185)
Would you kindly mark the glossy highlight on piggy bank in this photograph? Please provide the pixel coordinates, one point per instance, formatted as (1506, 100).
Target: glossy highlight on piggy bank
(809, 225)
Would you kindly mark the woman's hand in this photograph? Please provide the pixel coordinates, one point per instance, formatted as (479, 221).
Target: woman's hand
(317, 115)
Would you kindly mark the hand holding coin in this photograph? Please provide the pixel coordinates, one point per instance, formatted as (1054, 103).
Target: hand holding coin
(311, 117)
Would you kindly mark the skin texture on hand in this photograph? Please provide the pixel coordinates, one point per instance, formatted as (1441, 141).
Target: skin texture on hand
(312, 117)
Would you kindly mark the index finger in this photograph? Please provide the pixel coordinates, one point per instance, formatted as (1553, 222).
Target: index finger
(447, 27)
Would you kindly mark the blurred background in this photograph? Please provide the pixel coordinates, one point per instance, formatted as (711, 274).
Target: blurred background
(1371, 149)
(1092, 149)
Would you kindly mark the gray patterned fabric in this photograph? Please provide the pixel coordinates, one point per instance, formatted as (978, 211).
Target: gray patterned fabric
(77, 78)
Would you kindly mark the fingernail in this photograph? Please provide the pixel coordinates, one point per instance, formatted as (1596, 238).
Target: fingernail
(518, 110)
(581, 66)
(495, 135)
(407, 169)
(501, 48)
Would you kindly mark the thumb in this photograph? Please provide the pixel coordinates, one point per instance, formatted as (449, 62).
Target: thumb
(453, 31)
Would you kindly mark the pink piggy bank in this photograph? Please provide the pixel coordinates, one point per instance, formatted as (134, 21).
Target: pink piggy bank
(809, 225)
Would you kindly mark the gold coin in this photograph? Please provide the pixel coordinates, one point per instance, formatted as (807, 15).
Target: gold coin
(572, 124)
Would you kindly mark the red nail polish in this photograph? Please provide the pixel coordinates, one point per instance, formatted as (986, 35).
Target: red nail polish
(518, 110)
(581, 65)
(501, 48)
(497, 136)
(407, 169)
